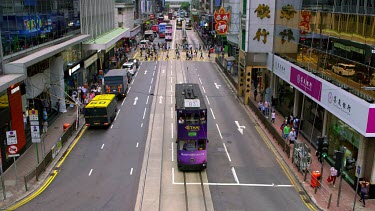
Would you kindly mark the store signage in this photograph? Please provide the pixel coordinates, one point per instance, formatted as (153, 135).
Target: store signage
(222, 18)
(14, 90)
(75, 68)
(351, 109)
(90, 60)
(307, 83)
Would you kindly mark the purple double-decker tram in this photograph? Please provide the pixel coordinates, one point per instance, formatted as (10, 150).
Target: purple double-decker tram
(191, 114)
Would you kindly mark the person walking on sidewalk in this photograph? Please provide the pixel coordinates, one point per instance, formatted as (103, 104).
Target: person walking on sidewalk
(333, 175)
(286, 131)
(255, 94)
(364, 191)
(273, 116)
(292, 136)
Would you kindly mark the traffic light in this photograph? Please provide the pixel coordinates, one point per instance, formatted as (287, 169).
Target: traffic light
(319, 151)
(339, 155)
(350, 163)
(325, 146)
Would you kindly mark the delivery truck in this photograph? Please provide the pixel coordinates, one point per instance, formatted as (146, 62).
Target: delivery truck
(116, 81)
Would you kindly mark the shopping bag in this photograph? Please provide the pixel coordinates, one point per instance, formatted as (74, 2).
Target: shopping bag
(329, 179)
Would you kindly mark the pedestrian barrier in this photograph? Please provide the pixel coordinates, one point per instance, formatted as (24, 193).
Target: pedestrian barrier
(229, 77)
(41, 167)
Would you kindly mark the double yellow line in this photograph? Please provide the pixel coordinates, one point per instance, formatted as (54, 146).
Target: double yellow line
(51, 177)
(285, 169)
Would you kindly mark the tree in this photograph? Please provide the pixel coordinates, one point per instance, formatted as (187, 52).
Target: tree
(167, 7)
(185, 6)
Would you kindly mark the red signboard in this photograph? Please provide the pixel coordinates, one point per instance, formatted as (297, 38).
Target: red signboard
(222, 18)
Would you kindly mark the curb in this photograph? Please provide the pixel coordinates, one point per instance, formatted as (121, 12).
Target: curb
(45, 175)
(249, 111)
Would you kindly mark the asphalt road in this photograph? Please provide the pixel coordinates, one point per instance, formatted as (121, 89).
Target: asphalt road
(102, 171)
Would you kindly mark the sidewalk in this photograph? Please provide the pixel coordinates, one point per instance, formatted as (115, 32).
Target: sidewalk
(321, 198)
(15, 190)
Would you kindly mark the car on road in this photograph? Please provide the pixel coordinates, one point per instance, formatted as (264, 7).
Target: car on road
(344, 69)
(130, 67)
(135, 61)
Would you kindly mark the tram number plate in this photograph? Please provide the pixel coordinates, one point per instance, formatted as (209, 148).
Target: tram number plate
(191, 103)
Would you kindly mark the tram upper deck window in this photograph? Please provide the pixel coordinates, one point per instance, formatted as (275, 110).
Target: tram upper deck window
(181, 119)
(203, 117)
(192, 118)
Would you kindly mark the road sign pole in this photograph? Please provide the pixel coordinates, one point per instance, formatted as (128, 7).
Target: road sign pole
(356, 188)
(15, 169)
(37, 154)
(2, 182)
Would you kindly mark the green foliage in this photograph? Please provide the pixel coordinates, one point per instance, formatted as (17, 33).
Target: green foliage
(167, 6)
(185, 6)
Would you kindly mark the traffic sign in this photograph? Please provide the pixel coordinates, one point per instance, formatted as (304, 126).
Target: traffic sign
(35, 132)
(11, 137)
(12, 149)
(33, 115)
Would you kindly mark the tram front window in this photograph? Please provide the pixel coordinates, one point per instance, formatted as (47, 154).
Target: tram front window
(187, 145)
(192, 118)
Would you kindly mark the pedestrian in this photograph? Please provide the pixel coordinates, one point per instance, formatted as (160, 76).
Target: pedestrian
(45, 115)
(167, 56)
(292, 136)
(25, 119)
(364, 191)
(45, 126)
(273, 116)
(201, 55)
(255, 94)
(286, 131)
(333, 175)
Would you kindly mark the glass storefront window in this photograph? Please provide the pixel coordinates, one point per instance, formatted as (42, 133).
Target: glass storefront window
(26, 24)
(285, 98)
(312, 121)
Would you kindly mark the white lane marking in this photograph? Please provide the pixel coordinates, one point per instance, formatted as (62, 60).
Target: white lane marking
(172, 129)
(163, 71)
(149, 90)
(196, 69)
(137, 144)
(90, 172)
(235, 175)
(213, 115)
(136, 74)
(152, 80)
(217, 126)
(111, 126)
(142, 124)
(154, 67)
(172, 150)
(153, 73)
(171, 80)
(204, 91)
(102, 146)
(117, 114)
(123, 101)
(135, 101)
(145, 72)
(171, 72)
(173, 176)
(144, 113)
(200, 81)
(147, 99)
(171, 89)
(171, 99)
(171, 112)
(132, 81)
(156, 62)
(226, 150)
(207, 100)
(129, 89)
(131, 171)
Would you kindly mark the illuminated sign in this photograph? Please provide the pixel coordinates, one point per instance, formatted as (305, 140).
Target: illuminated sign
(192, 103)
(191, 134)
(72, 70)
(12, 91)
(222, 18)
(193, 128)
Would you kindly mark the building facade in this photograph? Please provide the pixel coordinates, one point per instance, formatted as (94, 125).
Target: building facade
(48, 49)
(321, 59)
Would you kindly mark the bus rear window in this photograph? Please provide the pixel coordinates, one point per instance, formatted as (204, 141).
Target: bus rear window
(95, 111)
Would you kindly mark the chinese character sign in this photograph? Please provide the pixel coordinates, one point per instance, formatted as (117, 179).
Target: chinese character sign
(222, 18)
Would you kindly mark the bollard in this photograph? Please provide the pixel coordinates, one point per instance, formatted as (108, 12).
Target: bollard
(24, 178)
(329, 200)
(305, 177)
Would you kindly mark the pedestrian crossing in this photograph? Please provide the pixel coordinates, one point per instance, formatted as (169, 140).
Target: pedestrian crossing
(172, 56)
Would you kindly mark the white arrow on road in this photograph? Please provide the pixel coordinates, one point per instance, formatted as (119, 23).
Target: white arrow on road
(240, 127)
(135, 101)
(217, 85)
(163, 71)
(145, 72)
(160, 99)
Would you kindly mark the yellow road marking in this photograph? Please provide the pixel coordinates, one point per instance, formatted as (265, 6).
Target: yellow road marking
(135, 55)
(51, 178)
(284, 168)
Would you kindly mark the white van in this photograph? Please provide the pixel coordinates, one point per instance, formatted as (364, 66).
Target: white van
(129, 66)
(144, 44)
(344, 69)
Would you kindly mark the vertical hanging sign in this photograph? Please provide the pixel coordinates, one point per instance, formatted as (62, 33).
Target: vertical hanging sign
(222, 18)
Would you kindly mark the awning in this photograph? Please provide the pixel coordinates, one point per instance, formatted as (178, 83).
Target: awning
(106, 41)
(8, 80)
(20, 66)
(233, 39)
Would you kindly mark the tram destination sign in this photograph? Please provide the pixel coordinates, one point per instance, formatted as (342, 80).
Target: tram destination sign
(192, 134)
(192, 103)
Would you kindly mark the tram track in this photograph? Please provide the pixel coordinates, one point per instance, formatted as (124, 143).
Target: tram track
(196, 193)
